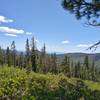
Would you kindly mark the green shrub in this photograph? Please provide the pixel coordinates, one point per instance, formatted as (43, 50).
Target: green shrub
(16, 84)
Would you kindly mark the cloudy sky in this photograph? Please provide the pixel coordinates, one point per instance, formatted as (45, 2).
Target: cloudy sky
(48, 22)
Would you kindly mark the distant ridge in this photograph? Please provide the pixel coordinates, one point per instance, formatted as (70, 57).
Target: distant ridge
(80, 57)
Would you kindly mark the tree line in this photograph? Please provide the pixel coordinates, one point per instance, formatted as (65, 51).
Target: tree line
(42, 62)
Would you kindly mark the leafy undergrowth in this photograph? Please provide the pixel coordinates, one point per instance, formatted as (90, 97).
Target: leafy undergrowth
(16, 84)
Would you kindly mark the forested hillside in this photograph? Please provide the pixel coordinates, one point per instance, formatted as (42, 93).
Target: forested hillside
(42, 62)
(80, 57)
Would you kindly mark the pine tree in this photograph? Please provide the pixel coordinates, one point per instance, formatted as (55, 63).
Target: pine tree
(43, 57)
(13, 49)
(93, 71)
(87, 69)
(4, 57)
(66, 66)
(1, 57)
(90, 9)
(21, 60)
(86, 62)
(33, 56)
(76, 70)
(8, 56)
(72, 69)
(43, 51)
(54, 63)
(27, 55)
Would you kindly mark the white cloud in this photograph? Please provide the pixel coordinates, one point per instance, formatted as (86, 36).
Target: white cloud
(84, 45)
(13, 31)
(28, 33)
(10, 30)
(12, 35)
(65, 42)
(5, 20)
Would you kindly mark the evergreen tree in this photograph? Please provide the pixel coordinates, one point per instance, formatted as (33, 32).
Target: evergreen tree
(90, 9)
(66, 66)
(43, 57)
(27, 55)
(13, 49)
(93, 71)
(43, 51)
(8, 57)
(33, 55)
(79, 70)
(54, 63)
(87, 69)
(21, 60)
(72, 69)
(86, 62)
(40, 64)
(1, 56)
(4, 56)
(76, 70)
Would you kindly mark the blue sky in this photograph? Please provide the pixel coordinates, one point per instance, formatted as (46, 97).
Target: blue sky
(48, 22)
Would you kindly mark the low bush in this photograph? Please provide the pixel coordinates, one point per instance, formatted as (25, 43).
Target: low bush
(16, 84)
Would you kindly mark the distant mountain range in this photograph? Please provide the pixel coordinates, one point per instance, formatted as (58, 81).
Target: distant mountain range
(75, 57)
(80, 57)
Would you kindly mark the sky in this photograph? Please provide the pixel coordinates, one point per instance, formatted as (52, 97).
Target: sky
(48, 22)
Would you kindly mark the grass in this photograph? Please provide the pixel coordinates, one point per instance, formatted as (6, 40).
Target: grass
(93, 85)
